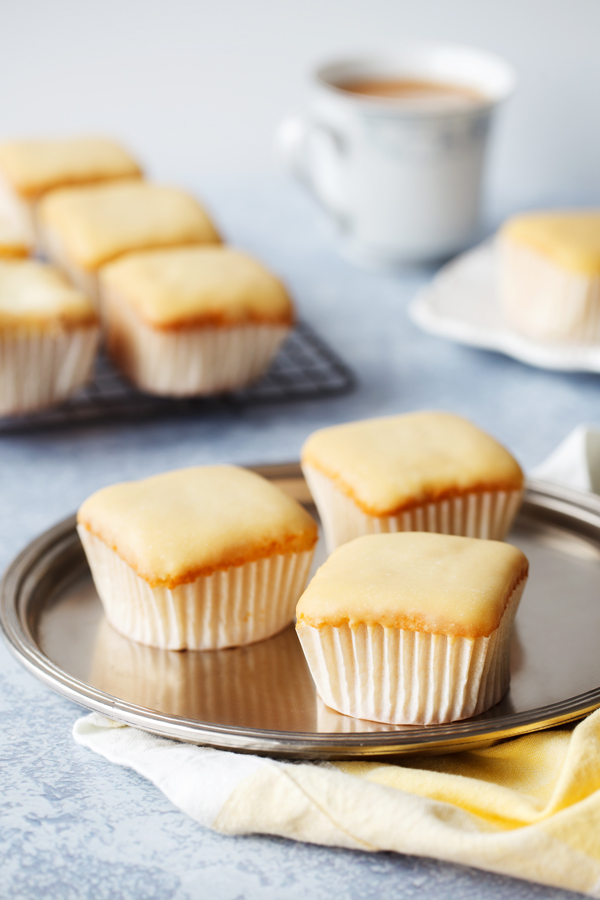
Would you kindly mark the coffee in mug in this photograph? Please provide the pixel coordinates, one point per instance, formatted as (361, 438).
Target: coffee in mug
(429, 94)
(393, 149)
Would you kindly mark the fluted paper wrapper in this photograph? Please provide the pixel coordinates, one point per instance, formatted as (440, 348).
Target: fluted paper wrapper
(545, 301)
(232, 607)
(39, 368)
(483, 514)
(409, 677)
(189, 362)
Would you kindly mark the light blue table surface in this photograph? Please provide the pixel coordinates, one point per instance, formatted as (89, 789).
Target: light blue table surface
(74, 826)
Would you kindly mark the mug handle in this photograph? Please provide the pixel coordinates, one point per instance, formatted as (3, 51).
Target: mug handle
(293, 138)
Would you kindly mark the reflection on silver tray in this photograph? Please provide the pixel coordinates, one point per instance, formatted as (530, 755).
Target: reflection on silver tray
(261, 698)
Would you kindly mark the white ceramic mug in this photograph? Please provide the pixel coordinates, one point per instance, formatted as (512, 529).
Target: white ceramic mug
(401, 181)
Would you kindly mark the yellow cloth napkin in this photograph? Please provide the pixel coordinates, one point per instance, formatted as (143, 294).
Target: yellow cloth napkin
(529, 807)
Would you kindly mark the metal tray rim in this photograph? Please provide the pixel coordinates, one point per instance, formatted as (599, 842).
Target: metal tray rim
(438, 738)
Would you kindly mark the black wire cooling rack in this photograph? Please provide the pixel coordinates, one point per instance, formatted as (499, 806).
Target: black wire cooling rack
(305, 369)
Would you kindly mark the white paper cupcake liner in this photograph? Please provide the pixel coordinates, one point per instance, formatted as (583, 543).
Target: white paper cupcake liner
(191, 362)
(409, 677)
(484, 514)
(545, 301)
(38, 369)
(235, 606)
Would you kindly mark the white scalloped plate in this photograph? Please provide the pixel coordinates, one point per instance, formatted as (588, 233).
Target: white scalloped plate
(461, 304)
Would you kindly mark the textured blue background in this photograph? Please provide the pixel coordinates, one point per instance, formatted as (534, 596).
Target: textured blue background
(74, 826)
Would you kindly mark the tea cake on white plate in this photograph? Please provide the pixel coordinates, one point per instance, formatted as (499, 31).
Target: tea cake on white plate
(31, 168)
(549, 275)
(48, 336)
(413, 628)
(82, 229)
(199, 558)
(422, 471)
(193, 320)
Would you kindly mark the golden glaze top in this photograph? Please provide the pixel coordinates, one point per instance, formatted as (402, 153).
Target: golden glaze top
(395, 463)
(175, 527)
(33, 167)
(186, 285)
(38, 295)
(418, 581)
(14, 240)
(98, 223)
(571, 239)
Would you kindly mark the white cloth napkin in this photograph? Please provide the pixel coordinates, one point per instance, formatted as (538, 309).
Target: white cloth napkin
(575, 462)
(409, 808)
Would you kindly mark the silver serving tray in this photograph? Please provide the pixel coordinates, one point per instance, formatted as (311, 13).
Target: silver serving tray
(261, 698)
